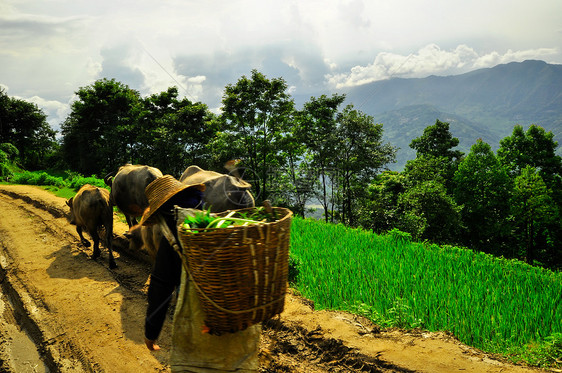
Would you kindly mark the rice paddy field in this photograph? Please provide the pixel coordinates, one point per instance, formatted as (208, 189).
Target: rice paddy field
(491, 303)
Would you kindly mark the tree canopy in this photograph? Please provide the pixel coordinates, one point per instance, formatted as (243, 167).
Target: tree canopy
(25, 126)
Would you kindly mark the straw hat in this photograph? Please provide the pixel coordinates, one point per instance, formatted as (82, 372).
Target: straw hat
(159, 192)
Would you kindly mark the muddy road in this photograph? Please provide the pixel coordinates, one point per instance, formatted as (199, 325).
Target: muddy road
(61, 311)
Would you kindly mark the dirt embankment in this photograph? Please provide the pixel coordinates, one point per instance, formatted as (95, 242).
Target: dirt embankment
(62, 311)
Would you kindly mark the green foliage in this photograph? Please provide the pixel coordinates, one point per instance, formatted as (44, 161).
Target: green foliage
(316, 127)
(493, 304)
(437, 141)
(98, 135)
(483, 187)
(73, 181)
(378, 209)
(37, 178)
(535, 148)
(257, 110)
(399, 237)
(10, 150)
(534, 212)
(294, 269)
(173, 133)
(199, 220)
(361, 154)
(25, 135)
(428, 212)
(547, 353)
(76, 181)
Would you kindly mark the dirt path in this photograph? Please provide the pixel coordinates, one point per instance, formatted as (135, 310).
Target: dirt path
(83, 317)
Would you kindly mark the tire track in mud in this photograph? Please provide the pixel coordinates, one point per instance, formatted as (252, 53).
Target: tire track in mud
(67, 262)
(58, 353)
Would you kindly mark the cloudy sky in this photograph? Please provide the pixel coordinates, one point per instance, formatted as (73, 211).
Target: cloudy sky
(51, 48)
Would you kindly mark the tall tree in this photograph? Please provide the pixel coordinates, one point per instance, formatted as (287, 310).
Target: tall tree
(257, 110)
(426, 207)
(535, 148)
(317, 128)
(378, 210)
(98, 135)
(534, 211)
(483, 188)
(173, 133)
(438, 142)
(296, 182)
(25, 126)
(361, 155)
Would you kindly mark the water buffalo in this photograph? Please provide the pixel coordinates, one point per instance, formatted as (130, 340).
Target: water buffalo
(145, 236)
(90, 210)
(127, 189)
(222, 192)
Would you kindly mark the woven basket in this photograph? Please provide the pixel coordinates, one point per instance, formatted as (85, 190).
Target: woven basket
(240, 273)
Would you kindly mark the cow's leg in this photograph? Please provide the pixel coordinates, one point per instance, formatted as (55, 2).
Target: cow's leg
(96, 239)
(131, 221)
(109, 241)
(84, 241)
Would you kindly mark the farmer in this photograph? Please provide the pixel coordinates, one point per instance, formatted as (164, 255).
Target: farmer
(192, 349)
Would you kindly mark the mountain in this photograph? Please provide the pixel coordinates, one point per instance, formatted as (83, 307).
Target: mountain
(485, 103)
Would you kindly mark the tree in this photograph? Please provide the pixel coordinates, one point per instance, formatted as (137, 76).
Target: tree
(25, 126)
(534, 211)
(99, 134)
(483, 188)
(428, 212)
(296, 182)
(257, 111)
(361, 154)
(437, 142)
(173, 133)
(535, 148)
(378, 210)
(317, 127)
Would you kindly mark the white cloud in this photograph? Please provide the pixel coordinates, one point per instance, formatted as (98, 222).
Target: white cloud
(56, 111)
(50, 49)
(494, 58)
(430, 60)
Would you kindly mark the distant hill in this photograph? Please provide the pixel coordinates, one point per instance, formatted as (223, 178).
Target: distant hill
(484, 103)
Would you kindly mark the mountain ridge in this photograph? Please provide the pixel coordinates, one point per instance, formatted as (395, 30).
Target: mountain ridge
(485, 103)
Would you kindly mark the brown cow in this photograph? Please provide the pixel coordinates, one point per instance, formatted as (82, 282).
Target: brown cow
(90, 209)
(127, 189)
(222, 192)
(145, 236)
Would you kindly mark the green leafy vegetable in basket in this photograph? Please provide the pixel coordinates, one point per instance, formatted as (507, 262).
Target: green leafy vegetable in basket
(199, 220)
(204, 219)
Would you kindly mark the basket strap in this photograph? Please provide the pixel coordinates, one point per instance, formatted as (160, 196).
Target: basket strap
(168, 234)
(225, 309)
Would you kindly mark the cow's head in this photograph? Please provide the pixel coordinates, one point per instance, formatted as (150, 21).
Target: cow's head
(71, 217)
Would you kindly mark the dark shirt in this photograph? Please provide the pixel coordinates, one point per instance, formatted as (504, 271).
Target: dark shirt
(166, 273)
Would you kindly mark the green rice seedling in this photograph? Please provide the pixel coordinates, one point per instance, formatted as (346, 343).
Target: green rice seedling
(487, 302)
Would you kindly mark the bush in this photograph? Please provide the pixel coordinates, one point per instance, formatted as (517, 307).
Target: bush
(77, 181)
(38, 178)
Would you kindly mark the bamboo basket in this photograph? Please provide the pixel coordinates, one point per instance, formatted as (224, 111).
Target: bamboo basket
(240, 273)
